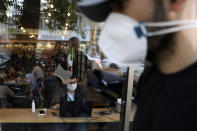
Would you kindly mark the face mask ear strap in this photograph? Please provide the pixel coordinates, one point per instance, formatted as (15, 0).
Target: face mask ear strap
(141, 30)
(170, 23)
(171, 30)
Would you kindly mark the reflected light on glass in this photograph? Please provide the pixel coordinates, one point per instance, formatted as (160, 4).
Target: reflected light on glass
(48, 45)
(52, 6)
(46, 20)
(49, 14)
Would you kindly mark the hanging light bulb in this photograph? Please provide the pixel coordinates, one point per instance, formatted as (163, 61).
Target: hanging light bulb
(46, 20)
(68, 14)
(66, 28)
(52, 6)
(49, 14)
(9, 13)
(24, 31)
(22, 28)
(66, 24)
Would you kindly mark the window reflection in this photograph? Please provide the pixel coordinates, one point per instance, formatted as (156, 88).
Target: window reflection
(49, 56)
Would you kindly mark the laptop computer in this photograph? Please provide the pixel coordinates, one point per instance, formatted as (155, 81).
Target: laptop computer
(75, 109)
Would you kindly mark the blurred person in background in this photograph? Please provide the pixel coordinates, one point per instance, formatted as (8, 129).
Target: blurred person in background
(4, 93)
(61, 59)
(72, 53)
(37, 71)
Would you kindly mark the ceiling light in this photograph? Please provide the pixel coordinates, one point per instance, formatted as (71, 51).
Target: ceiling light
(52, 6)
(49, 14)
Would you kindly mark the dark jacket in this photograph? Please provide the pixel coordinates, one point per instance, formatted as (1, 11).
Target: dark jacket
(79, 106)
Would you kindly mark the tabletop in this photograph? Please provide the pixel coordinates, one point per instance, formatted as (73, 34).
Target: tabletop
(26, 116)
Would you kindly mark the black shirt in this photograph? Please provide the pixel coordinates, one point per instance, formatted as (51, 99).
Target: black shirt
(168, 102)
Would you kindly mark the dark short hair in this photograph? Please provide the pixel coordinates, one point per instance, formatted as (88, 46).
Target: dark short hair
(74, 42)
(1, 81)
(73, 76)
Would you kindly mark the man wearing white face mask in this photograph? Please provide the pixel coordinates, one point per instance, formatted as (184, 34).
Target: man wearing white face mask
(167, 39)
(75, 94)
(74, 91)
(72, 86)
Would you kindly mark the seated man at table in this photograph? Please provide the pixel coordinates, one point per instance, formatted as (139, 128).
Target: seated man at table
(75, 93)
(4, 93)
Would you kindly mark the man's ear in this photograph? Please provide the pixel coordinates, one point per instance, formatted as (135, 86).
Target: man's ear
(176, 7)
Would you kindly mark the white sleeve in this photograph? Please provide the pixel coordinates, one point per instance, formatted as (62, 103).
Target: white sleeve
(70, 62)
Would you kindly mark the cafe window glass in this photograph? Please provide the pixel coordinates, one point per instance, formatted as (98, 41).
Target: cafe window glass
(53, 76)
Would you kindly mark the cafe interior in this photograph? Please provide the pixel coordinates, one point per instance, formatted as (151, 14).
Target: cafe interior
(54, 77)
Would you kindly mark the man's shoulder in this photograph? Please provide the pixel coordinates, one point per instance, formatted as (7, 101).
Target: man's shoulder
(80, 90)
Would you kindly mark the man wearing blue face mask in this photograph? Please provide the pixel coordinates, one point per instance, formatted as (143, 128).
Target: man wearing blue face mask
(166, 38)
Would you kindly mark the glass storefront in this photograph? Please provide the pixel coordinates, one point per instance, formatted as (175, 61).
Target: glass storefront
(54, 77)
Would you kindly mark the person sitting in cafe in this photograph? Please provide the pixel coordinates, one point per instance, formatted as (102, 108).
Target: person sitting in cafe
(10, 74)
(4, 93)
(38, 72)
(74, 93)
(35, 90)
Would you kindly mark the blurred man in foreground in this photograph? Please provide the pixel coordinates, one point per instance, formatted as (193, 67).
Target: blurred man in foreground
(167, 39)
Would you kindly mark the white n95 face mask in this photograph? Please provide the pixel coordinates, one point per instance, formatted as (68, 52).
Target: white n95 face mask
(72, 87)
(124, 40)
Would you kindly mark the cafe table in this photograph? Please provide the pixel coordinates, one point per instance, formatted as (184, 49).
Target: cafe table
(25, 118)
